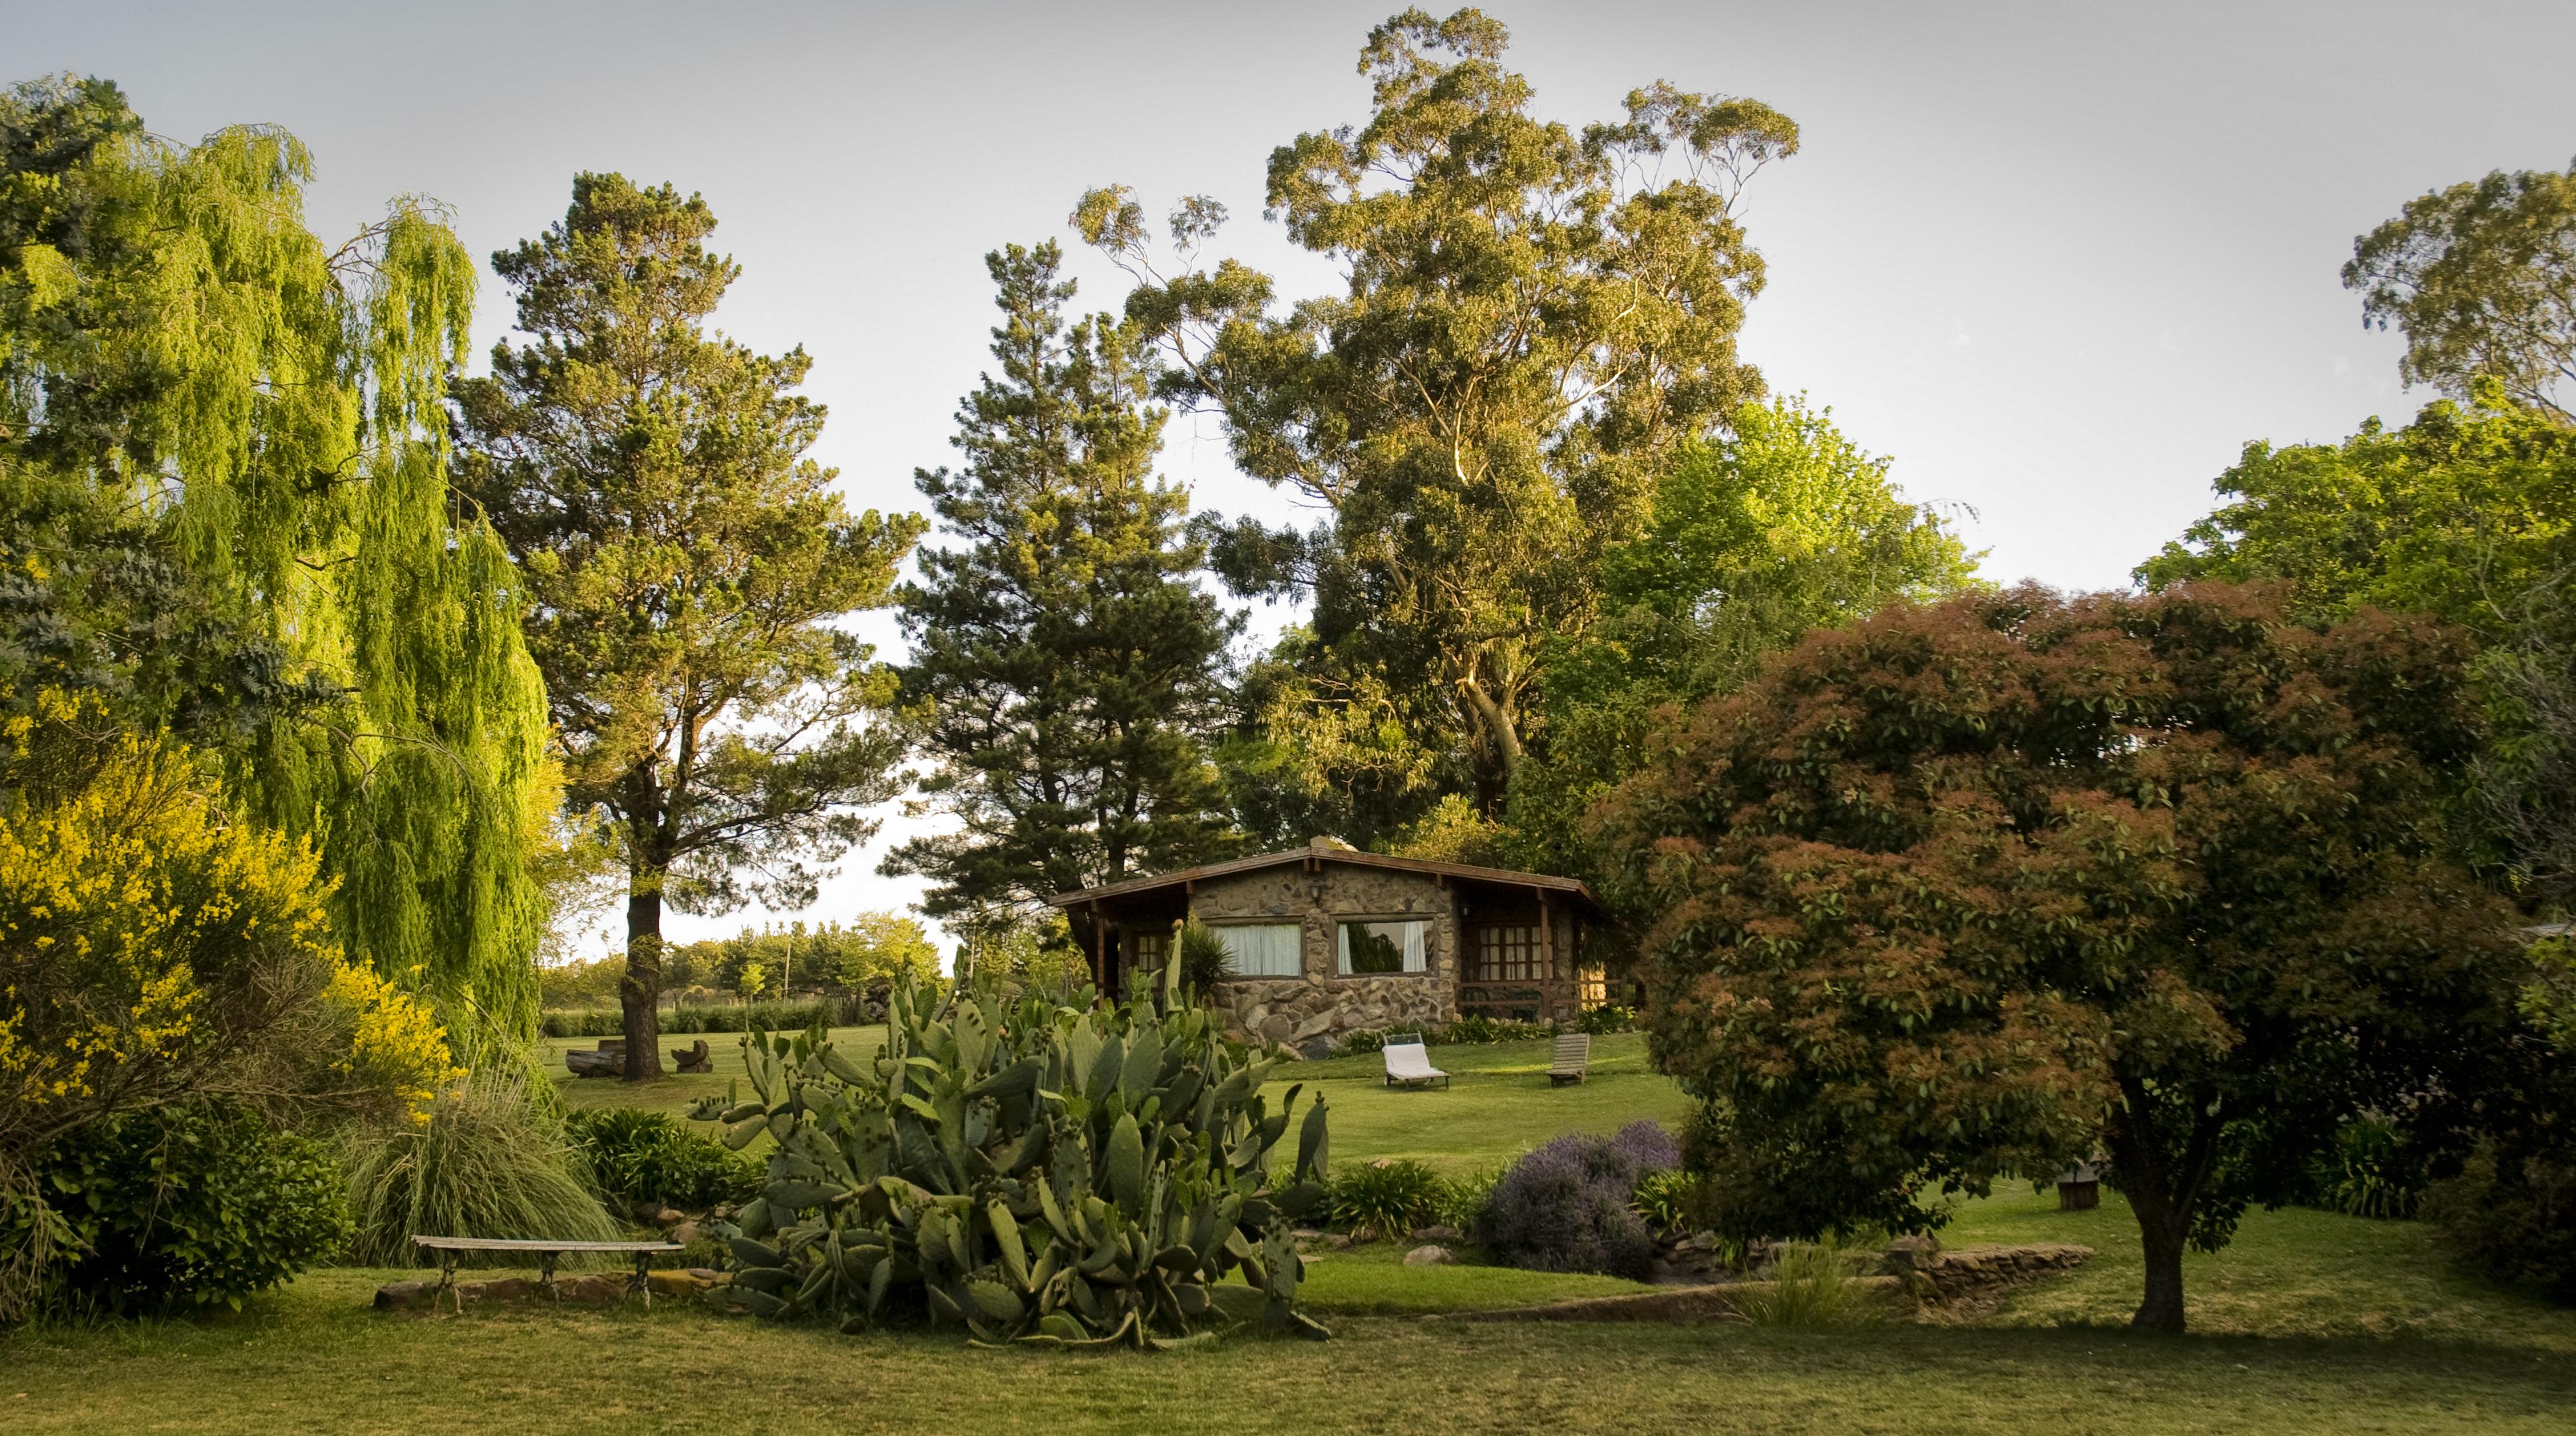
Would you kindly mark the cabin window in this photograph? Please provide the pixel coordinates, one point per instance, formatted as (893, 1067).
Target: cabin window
(1369, 947)
(1149, 949)
(1509, 952)
(1270, 949)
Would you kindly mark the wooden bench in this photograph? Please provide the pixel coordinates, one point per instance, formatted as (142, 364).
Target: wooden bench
(450, 1248)
(1573, 1062)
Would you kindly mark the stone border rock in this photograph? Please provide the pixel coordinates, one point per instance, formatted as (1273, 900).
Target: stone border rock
(1933, 1280)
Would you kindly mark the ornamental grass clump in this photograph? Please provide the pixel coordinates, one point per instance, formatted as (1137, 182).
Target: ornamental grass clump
(1569, 1205)
(1031, 1172)
(1384, 1199)
(491, 1161)
(1812, 1285)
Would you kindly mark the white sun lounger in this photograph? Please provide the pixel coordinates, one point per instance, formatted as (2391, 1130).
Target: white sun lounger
(1409, 1065)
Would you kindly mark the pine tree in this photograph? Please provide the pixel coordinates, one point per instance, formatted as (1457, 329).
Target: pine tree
(1064, 666)
(686, 567)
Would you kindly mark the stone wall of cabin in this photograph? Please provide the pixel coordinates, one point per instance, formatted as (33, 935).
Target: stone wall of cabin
(1307, 1012)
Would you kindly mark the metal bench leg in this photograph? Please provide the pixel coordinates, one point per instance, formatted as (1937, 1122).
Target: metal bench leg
(546, 1275)
(447, 1283)
(641, 1283)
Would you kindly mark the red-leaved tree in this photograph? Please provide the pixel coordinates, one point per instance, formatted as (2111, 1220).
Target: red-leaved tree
(1977, 889)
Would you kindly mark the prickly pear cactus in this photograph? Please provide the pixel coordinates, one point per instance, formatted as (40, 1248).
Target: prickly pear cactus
(1032, 1172)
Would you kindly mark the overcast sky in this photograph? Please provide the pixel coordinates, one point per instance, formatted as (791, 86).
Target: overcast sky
(2061, 262)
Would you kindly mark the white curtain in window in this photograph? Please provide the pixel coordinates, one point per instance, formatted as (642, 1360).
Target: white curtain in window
(1263, 950)
(1407, 937)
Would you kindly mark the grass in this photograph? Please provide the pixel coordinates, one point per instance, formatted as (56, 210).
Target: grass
(313, 1359)
(676, 1090)
(2309, 1323)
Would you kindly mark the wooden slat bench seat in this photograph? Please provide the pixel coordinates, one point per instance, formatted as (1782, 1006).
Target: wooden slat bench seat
(547, 1252)
(1573, 1061)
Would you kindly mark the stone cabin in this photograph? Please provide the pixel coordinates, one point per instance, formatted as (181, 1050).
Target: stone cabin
(1326, 939)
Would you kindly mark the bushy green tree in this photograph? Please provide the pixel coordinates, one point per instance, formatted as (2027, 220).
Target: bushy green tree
(1064, 665)
(686, 567)
(2469, 513)
(2481, 278)
(1964, 890)
(224, 506)
(1533, 319)
(1780, 526)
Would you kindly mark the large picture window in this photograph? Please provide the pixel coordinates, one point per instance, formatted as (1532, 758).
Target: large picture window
(1509, 952)
(1382, 947)
(1263, 949)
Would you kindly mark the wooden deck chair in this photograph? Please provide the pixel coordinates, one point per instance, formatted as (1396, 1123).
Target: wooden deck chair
(1408, 1064)
(1573, 1061)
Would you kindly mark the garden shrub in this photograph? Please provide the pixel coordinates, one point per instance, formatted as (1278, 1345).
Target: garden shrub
(1608, 1018)
(1061, 1175)
(693, 1021)
(1811, 1285)
(1204, 960)
(2368, 1171)
(2511, 1213)
(1386, 1198)
(1668, 1200)
(652, 1158)
(188, 1206)
(490, 1161)
(1569, 1205)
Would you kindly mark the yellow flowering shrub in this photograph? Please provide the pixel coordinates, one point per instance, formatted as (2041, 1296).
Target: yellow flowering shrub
(153, 948)
(396, 1045)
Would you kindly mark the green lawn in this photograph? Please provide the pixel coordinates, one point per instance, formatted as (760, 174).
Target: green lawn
(2308, 1323)
(1498, 1105)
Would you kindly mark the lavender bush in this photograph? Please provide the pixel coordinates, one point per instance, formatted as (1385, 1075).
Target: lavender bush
(1565, 1206)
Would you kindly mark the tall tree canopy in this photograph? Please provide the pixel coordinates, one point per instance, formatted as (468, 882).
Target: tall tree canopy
(685, 567)
(2468, 514)
(224, 505)
(1780, 526)
(1064, 666)
(2481, 278)
(1533, 319)
(1966, 889)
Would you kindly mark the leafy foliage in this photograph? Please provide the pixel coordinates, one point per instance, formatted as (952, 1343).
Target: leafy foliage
(1971, 889)
(154, 952)
(1204, 959)
(189, 1205)
(1386, 1198)
(1781, 526)
(1533, 319)
(2481, 278)
(1571, 1205)
(491, 1161)
(1809, 1285)
(685, 565)
(224, 506)
(1065, 668)
(2368, 1171)
(1034, 1172)
(651, 1158)
(1668, 1200)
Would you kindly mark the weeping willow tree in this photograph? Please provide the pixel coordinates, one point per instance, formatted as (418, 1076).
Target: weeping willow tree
(223, 455)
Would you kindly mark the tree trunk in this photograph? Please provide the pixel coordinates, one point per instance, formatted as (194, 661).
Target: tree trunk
(641, 993)
(2161, 1307)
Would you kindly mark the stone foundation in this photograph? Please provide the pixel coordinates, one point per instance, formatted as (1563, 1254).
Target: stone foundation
(1299, 1012)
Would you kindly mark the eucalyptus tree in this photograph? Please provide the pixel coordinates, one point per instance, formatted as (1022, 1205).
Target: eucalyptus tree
(1065, 667)
(1532, 319)
(224, 470)
(687, 567)
(2481, 277)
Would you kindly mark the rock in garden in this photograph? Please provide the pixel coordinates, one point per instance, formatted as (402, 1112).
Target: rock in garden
(1444, 1236)
(1433, 1255)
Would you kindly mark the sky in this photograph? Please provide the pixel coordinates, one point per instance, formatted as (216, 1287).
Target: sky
(2059, 262)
